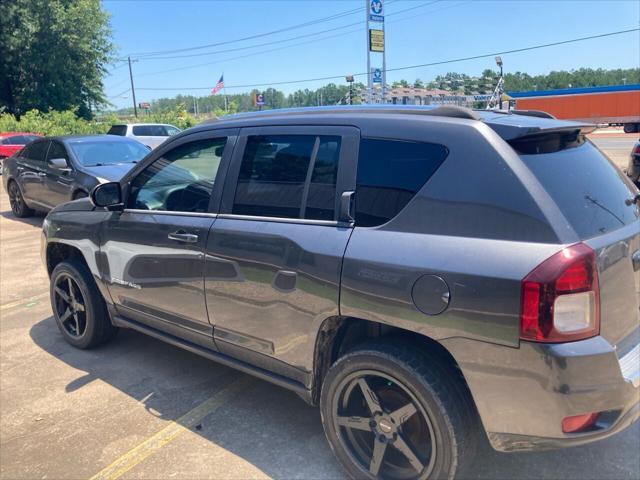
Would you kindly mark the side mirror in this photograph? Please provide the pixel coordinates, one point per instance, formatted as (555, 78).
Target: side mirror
(60, 164)
(107, 195)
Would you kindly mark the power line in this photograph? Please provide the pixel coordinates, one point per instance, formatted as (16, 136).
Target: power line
(119, 94)
(274, 42)
(262, 52)
(408, 67)
(258, 35)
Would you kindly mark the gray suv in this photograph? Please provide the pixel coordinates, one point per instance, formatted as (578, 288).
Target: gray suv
(425, 275)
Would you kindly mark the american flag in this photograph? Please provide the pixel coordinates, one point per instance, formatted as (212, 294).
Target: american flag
(218, 86)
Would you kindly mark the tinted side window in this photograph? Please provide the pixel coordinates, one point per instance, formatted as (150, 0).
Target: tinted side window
(390, 172)
(118, 130)
(180, 181)
(36, 151)
(57, 150)
(322, 187)
(150, 131)
(272, 175)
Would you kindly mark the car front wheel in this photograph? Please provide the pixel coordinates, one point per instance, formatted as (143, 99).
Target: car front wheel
(79, 309)
(392, 413)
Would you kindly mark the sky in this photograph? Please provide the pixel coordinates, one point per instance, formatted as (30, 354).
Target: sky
(416, 32)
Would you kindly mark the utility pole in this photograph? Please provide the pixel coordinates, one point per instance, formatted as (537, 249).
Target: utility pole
(133, 90)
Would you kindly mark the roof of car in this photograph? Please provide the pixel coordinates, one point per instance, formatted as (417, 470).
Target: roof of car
(13, 134)
(92, 138)
(141, 124)
(509, 125)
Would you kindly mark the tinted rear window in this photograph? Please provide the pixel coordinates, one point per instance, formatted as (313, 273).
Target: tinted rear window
(587, 188)
(118, 130)
(150, 131)
(390, 172)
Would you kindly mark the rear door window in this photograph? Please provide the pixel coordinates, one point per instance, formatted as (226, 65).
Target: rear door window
(588, 189)
(36, 152)
(288, 176)
(390, 173)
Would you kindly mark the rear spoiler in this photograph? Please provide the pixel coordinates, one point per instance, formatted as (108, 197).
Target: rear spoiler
(535, 126)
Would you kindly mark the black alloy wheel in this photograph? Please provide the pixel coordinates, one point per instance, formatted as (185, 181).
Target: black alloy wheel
(18, 205)
(69, 305)
(383, 427)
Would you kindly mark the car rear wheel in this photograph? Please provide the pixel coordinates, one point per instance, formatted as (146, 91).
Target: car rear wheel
(16, 200)
(392, 413)
(78, 307)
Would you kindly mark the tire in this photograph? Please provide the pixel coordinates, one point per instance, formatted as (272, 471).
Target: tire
(85, 323)
(19, 207)
(630, 128)
(398, 374)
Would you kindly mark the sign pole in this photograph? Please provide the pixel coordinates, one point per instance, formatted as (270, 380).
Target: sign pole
(384, 64)
(366, 32)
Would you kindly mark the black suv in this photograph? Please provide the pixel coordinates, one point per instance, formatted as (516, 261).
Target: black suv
(424, 275)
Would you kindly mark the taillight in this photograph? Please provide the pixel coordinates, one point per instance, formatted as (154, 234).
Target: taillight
(636, 150)
(561, 297)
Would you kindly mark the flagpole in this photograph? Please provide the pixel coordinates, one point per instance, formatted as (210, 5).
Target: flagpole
(226, 105)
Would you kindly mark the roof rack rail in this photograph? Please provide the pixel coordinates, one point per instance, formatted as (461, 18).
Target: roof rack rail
(452, 111)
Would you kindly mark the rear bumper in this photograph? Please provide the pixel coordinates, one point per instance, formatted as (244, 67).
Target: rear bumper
(508, 442)
(522, 395)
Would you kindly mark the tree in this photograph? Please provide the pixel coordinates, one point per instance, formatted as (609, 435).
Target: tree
(54, 54)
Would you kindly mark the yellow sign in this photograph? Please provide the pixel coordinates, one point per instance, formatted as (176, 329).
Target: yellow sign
(376, 40)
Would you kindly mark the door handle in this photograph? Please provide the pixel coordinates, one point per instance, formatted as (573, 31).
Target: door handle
(20, 169)
(182, 236)
(42, 174)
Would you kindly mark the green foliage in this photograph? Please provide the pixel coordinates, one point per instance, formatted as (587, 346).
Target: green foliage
(54, 54)
(69, 123)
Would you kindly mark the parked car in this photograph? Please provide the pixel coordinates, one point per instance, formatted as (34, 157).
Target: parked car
(633, 169)
(12, 142)
(423, 275)
(151, 134)
(50, 171)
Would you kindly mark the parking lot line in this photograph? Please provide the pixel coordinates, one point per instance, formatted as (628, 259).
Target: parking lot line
(22, 301)
(169, 433)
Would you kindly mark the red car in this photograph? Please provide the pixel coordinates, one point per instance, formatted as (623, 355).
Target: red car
(11, 142)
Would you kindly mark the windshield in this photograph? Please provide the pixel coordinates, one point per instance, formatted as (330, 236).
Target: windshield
(590, 192)
(93, 154)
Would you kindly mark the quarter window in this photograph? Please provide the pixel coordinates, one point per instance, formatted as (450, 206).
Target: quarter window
(288, 176)
(181, 180)
(390, 173)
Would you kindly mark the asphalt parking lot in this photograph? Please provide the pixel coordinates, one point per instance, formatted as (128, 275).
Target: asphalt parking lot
(138, 408)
